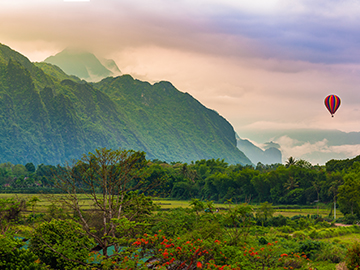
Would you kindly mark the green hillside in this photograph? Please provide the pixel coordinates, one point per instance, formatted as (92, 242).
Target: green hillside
(47, 116)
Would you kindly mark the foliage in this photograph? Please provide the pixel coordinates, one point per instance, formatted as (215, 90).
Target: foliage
(309, 247)
(12, 257)
(353, 256)
(195, 254)
(62, 244)
(216, 180)
(349, 197)
(112, 180)
(264, 212)
(331, 252)
(238, 219)
(10, 210)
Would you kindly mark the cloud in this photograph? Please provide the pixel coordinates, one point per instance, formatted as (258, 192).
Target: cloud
(318, 152)
(265, 66)
(299, 31)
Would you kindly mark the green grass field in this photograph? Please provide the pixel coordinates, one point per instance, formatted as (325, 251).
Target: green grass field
(46, 200)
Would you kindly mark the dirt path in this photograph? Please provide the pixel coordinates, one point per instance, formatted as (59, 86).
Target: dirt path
(342, 225)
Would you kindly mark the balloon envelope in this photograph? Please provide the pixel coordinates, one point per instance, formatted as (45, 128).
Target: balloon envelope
(332, 103)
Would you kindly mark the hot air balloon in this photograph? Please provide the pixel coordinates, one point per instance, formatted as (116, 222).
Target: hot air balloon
(332, 103)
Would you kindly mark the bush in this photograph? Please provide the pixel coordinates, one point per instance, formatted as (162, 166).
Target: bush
(310, 247)
(353, 256)
(62, 244)
(300, 235)
(314, 234)
(277, 221)
(263, 241)
(286, 229)
(351, 219)
(331, 252)
(11, 257)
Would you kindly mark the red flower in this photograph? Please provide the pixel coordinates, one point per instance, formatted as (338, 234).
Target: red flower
(199, 265)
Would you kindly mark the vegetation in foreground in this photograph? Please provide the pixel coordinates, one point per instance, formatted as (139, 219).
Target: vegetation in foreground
(123, 229)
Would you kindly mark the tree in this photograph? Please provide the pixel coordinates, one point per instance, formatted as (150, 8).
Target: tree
(19, 170)
(109, 178)
(33, 202)
(349, 196)
(197, 206)
(291, 183)
(335, 180)
(303, 164)
(239, 218)
(30, 167)
(264, 212)
(290, 162)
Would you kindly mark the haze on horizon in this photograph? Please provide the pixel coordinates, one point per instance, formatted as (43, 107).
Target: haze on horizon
(266, 66)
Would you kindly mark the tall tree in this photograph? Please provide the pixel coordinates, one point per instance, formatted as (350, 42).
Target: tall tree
(110, 178)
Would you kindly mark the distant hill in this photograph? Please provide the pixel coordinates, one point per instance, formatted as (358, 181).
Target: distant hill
(47, 116)
(84, 65)
(271, 154)
(314, 145)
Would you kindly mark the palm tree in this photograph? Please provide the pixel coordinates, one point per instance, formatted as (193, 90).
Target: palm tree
(290, 161)
(291, 183)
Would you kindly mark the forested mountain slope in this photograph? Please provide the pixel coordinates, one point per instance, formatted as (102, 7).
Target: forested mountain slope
(49, 117)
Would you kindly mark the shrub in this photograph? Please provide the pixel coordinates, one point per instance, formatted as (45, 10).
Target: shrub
(353, 256)
(286, 229)
(300, 235)
(277, 221)
(62, 244)
(331, 252)
(263, 241)
(11, 257)
(309, 247)
(351, 219)
(314, 234)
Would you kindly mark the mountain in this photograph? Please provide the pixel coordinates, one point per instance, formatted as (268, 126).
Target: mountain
(47, 116)
(271, 154)
(314, 145)
(83, 64)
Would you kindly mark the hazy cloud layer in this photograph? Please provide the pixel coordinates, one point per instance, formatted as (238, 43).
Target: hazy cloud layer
(317, 153)
(263, 65)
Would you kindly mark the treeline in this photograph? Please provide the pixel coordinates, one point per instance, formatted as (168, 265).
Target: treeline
(296, 182)
(25, 178)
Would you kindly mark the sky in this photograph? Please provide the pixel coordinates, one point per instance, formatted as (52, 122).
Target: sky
(264, 65)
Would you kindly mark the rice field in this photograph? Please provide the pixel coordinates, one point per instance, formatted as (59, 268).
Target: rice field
(165, 204)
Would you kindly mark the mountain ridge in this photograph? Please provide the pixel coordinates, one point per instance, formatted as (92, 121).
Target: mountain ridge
(83, 64)
(271, 154)
(47, 116)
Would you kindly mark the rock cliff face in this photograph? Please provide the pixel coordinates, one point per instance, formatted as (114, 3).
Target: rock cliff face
(47, 116)
(271, 155)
